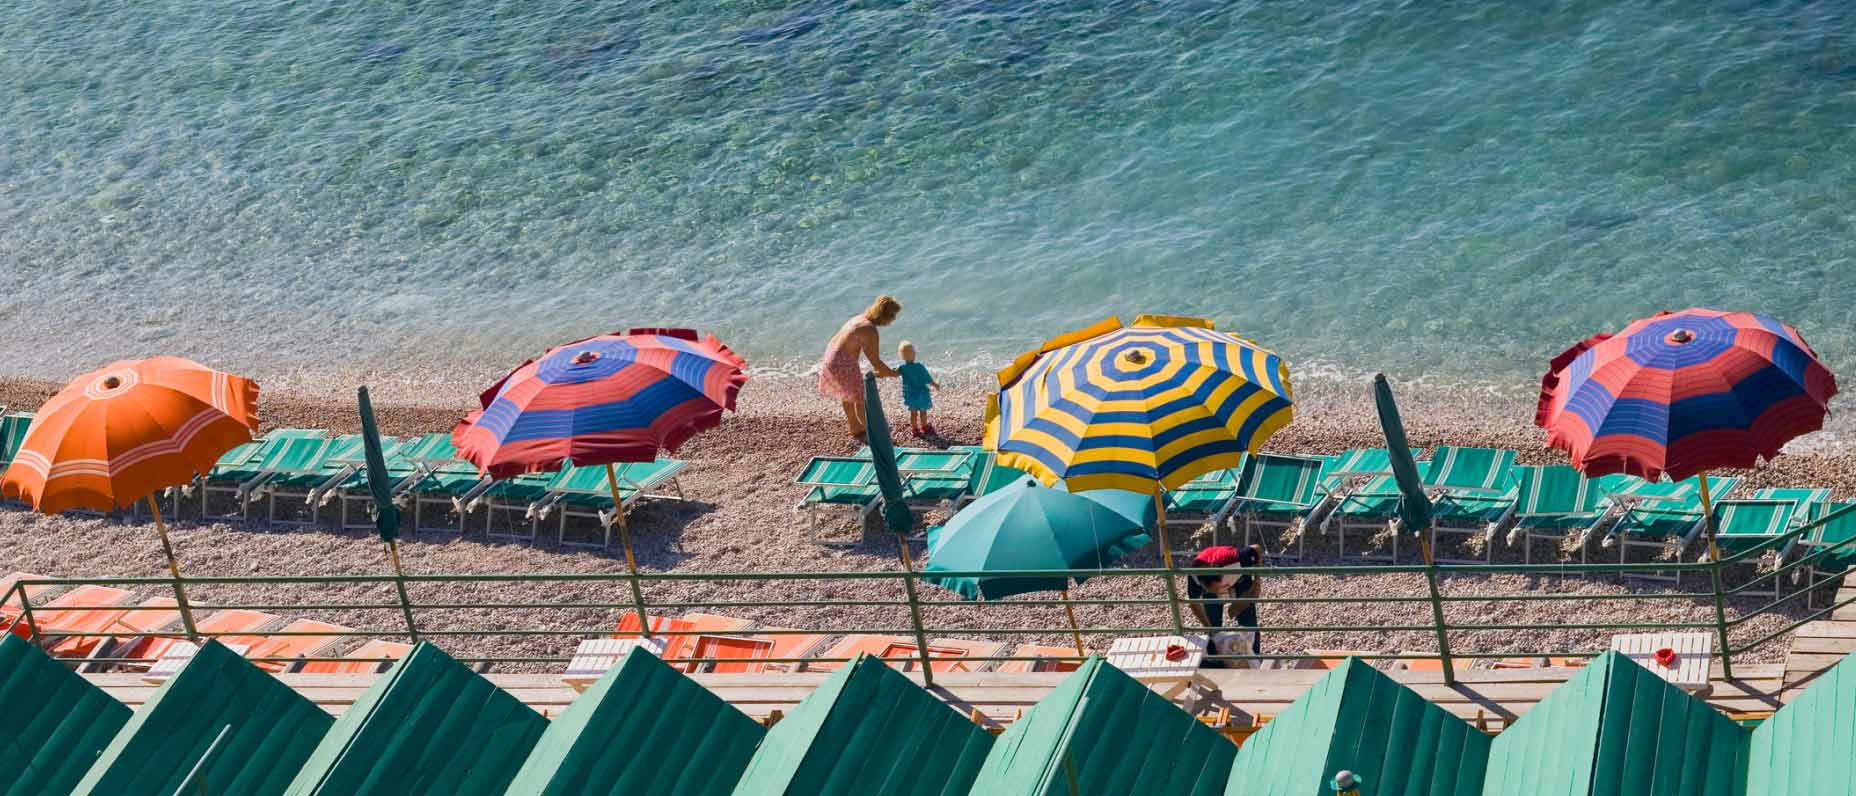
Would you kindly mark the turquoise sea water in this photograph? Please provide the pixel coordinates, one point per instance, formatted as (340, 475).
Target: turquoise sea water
(1432, 188)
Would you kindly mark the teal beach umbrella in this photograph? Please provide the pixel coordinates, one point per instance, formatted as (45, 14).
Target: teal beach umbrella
(1027, 526)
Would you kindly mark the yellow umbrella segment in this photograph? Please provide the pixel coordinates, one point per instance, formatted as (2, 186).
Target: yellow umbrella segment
(1142, 407)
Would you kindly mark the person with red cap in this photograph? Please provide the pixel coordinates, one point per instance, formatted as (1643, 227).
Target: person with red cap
(1241, 589)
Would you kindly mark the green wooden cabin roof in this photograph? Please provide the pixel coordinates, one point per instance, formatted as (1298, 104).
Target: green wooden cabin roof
(272, 731)
(429, 725)
(1100, 731)
(1358, 719)
(643, 728)
(1809, 746)
(55, 722)
(1616, 728)
(868, 731)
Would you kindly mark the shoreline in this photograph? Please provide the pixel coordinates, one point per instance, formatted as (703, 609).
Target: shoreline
(739, 517)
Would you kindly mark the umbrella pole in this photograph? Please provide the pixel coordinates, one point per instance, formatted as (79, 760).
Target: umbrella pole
(399, 583)
(1437, 609)
(1074, 630)
(1714, 574)
(180, 593)
(625, 538)
(1166, 556)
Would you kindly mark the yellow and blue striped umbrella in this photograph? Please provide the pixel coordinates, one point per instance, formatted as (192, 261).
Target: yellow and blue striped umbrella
(1162, 401)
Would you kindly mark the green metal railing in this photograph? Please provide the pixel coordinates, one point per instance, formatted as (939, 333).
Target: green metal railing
(115, 646)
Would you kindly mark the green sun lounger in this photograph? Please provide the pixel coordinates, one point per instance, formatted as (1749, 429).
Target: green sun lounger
(348, 484)
(1769, 515)
(1368, 507)
(13, 428)
(1276, 492)
(243, 477)
(297, 479)
(517, 496)
(584, 492)
(1555, 501)
(440, 480)
(837, 483)
(1205, 499)
(949, 477)
(1833, 544)
(1658, 515)
(1472, 495)
(1352, 464)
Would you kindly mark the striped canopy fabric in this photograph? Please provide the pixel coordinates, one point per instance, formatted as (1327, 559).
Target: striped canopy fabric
(606, 399)
(122, 433)
(1681, 393)
(1164, 401)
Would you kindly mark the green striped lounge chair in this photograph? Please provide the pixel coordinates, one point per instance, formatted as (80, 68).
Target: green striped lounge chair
(1830, 546)
(837, 483)
(1768, 515)
(1556, 502)
(1472, 495)
(512, 500)
(991, 477)
(243, 471)
(348, 484)
(1660, 515)
(13, 428)
(933, 478)
(1204, 500)
(441, 485)
(298, 478)
(1367, 507)
(1273, 494)
(585, 492)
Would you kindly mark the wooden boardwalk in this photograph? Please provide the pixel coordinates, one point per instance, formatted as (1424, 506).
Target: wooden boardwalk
(1820, 645)
(1493, 697)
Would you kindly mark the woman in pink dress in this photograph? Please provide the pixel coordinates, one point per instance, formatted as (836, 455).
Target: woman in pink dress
(839, 375)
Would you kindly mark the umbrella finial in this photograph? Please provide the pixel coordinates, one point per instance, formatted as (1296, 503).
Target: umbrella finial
(585, 357)
(1137, 357)
(1681, 336)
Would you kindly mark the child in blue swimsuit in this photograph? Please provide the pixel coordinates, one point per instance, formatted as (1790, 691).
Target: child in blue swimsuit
(916, 384)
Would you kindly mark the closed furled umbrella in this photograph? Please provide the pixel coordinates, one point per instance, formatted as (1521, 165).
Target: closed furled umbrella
(127, 431)
(602, 400)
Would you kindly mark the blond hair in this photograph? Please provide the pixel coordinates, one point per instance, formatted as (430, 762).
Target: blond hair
(883, 310)
(906, 349)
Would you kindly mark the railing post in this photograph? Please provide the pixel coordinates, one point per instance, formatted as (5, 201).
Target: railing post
(1437, 613)
(25, 615)
(915, 611)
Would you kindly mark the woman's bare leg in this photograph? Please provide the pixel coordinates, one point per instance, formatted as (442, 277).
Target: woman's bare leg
(854, 417)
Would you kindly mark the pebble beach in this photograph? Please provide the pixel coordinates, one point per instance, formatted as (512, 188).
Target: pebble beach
(740, 517)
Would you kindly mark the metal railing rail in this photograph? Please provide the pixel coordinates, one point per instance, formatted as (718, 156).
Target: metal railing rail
(925, 658)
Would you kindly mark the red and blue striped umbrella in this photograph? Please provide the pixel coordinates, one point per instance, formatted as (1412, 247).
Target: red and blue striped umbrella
(611, 398)
(1682, 393)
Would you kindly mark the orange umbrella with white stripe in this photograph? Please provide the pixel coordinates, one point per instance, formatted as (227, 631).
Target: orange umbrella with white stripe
(127, 431)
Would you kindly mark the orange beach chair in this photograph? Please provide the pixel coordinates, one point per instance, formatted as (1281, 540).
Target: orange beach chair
(295, 646)
(372, 649)
(52, 620)
(1048, 659)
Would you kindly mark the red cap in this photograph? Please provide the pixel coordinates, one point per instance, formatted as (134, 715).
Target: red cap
(1223, 555)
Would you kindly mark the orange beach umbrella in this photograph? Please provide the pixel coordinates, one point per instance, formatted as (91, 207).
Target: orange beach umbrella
(127, 431)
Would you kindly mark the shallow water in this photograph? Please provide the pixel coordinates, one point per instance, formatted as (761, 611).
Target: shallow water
(1443, 189)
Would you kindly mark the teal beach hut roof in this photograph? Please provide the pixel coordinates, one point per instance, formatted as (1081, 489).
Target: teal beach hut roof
(56, 722)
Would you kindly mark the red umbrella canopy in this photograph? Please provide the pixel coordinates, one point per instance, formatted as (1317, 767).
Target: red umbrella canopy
(1684, 392)
(611, 398)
